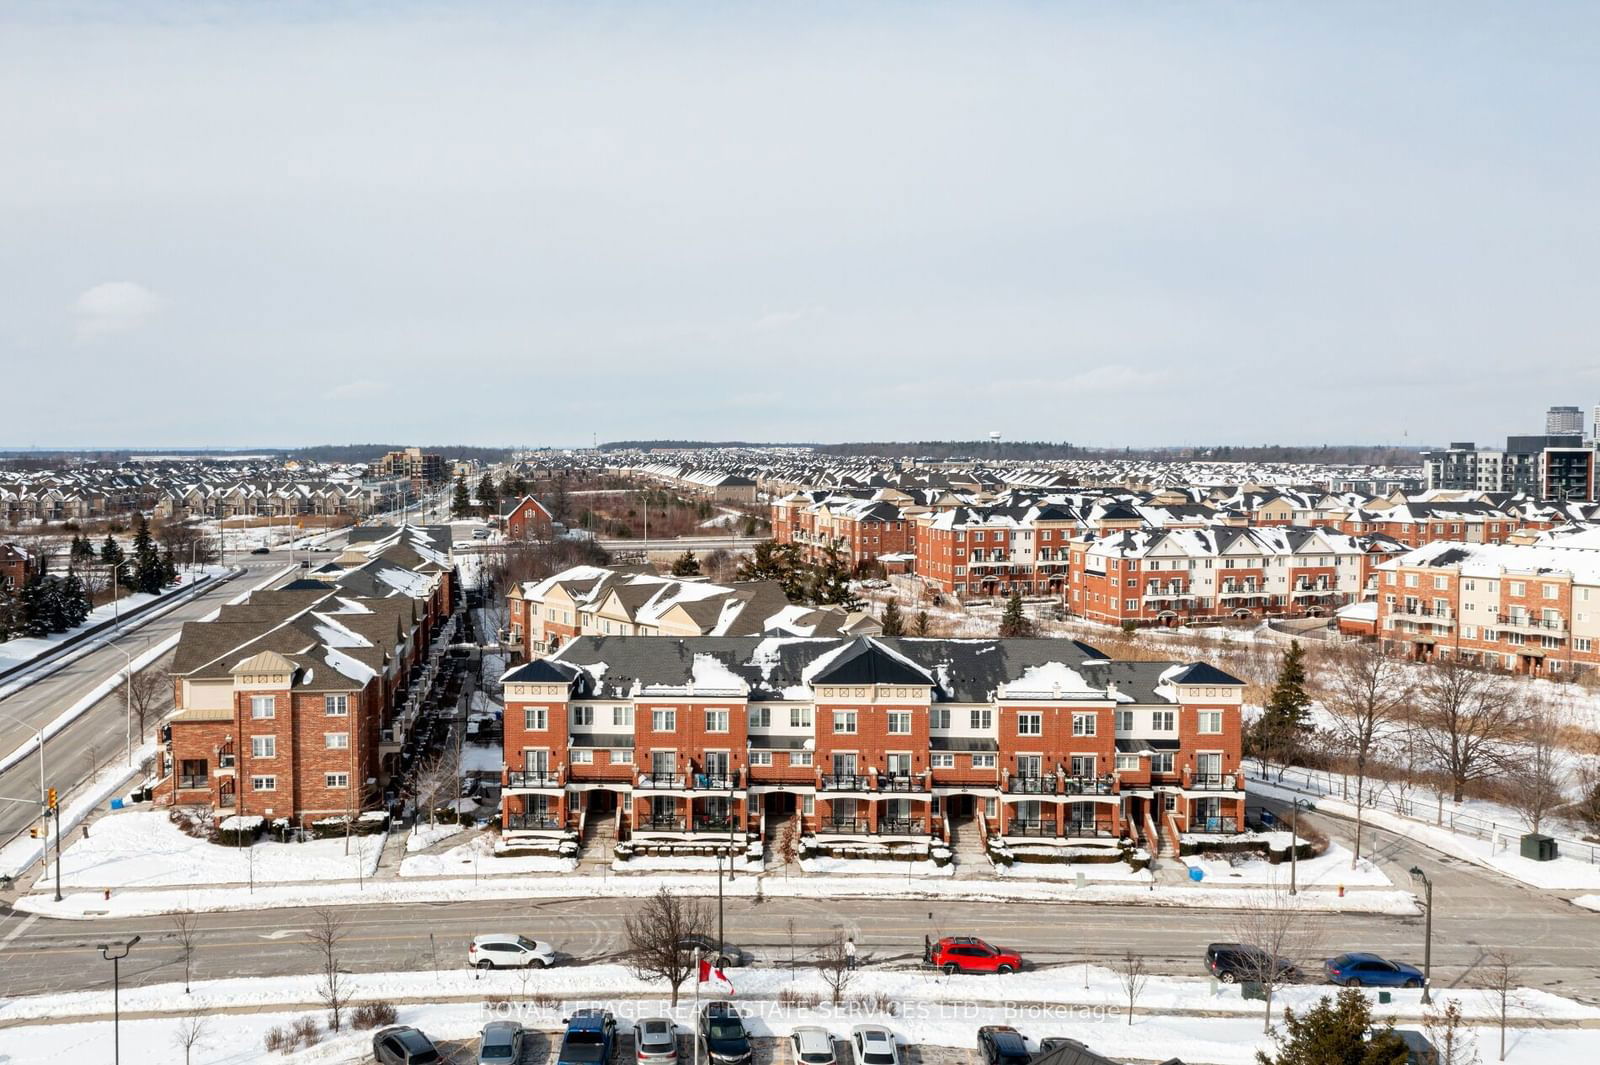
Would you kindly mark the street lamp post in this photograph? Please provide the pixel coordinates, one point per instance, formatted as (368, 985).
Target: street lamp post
(116, 992)
(1294, 847)
(1427, 941)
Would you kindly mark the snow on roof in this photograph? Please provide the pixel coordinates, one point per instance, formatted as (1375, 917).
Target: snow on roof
(708, 674)
(1049, 679)
(789, 619)
(349, 667)
(334, 634)
(1367, 611)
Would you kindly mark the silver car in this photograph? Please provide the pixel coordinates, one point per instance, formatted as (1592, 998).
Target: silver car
(655, 1041)
(501, 1043)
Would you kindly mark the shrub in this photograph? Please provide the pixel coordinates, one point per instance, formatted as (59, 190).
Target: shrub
(373, 1015)
(281, 1040)
(239, 836)
(880, 1002)
(790, 996)
(306, 1032)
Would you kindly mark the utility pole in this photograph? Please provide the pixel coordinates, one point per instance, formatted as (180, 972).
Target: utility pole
(116, 993)
(1427, 941)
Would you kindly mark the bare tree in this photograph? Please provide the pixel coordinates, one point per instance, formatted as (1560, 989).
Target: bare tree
(656, 933)
(1277, 934)
(185, 929)
(1453, 1042)
(1467, 718)
(834, 960)
(191, 1029)
(1535, 777)
(788, 845)
(149, 692)
(1132, 974)
(437, 777)
(328, 931)
(1587, 808)
(1362, 690)
(1504, 976)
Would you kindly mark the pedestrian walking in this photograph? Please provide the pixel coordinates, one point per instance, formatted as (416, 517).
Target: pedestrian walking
(850, 952)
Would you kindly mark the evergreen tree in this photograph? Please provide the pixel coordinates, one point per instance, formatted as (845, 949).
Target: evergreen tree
(37, 607)
(830, 581)
(775, 562)
(1335, 1031)
(116, 564)
(74, 599)
(686, 565)
(146, 562)
(1285, 720)
(460, 501)
(920, 626)
(169, 568)
(488, 495)
(893, 623)
(11, 620)
(1014, 622)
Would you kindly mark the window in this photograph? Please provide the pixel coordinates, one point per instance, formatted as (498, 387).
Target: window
(982, 719)
(664, 720)
(800, 758)
(1083, 724)
(535, 718)
(1030, 724)
(716, 721)
(1518, 589)
(1411, 580)
(1161, 762)
(1124, 720)
(760, 758)
(799, 717)
(263, 707)
(336, 741)
(939, 718)
(942, 760)
(1163, 721)
(336, 780)
(899, 723)
(1440, 583)
(760, 717)
(583, 756)
(844, 722)
(983, 761)
(808, 803)
(622, 756)
(1551, 591)
(263, 746)
(336, 705)
(582, 716)
(1582, 643)
(263, 783)
(1210, 722)
(1127, 763)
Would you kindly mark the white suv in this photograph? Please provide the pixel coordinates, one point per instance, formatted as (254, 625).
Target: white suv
(509, 951)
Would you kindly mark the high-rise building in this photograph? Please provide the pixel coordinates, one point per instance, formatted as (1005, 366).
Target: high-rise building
(1595, 435)
(1563, 421)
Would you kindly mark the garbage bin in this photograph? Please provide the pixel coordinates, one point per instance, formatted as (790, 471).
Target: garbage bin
(1539, 848)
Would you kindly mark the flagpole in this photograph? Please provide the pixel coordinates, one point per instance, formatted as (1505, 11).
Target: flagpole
(695, 1024)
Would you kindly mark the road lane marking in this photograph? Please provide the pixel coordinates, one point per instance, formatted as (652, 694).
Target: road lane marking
(17, 931)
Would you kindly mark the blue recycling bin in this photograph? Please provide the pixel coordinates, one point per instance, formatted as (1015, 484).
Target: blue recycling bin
(1197, 875)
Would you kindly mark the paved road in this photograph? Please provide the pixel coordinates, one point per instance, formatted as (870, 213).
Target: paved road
(103, 726)
(1477, 911)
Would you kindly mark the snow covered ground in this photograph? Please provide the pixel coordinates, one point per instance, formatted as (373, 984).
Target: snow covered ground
(144, 849)
(1105, 872)
(1330, 869)
(1188, 1016)
(423, 836)
(476, 857)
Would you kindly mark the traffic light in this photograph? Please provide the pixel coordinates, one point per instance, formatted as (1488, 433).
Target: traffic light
(34, 831)
(50, 798)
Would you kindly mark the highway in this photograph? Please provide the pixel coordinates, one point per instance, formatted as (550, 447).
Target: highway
(1478, 911)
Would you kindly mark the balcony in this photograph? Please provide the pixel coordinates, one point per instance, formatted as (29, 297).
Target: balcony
(659, 780)
(1167, 591)
(898, 782)
(1213, 782)
(1079, 829)
(1030, 785)
(1220, 826)
(845, 826)
(845, 782)
(713, 782)
(1242, 589)
(534, 778)
(1418, 612)
(1106, 785)
(663, 823)
(532, 823)
(1531, 624)
(194, 783)
(1030, 827)
(714, 823)
(902, 826)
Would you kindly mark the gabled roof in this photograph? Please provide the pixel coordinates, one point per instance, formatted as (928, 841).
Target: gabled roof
(264, 662)
(866, 661)
(1203, 673)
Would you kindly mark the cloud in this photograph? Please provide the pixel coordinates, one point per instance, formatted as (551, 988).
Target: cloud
(775, 320)
(359, 389)
(114, 307)
(1102, 380)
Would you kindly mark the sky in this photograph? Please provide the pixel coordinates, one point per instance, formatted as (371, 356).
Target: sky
(244, 224)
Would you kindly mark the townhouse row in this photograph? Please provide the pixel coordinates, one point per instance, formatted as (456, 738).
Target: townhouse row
(870, 739)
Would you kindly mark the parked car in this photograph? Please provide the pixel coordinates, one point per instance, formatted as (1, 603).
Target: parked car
(655, 1041)
(811, 1045)
(260, 551)
(1233, 962)
(1056, 1042)
(724, 958)
(1001, 1044)
(501, 1043)
(969, 954)
(1369, 970)
(509, 951)
(589, 1037)
(874, 1044)
(722, 1032)
(403, 1046)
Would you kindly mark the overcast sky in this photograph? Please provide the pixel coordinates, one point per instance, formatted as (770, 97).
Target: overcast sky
(279, 224)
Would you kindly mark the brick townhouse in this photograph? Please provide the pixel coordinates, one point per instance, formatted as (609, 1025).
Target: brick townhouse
(15, 566)
(1528, 608)
(863, 529)
(869, 739)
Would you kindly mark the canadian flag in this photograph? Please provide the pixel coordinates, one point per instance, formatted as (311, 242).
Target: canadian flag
(710, 973)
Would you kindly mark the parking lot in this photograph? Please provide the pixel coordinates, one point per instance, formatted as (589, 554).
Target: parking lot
(540, 1045)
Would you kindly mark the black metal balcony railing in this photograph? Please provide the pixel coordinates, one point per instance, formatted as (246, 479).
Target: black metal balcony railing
(1088, 785)
(713, 782)
(844, 782)
(901, 826)
(1087, 828)
(534, 778)
(1213, 782)
(1528, 621)
(846, 825)
(1215, 825)
(662, 823)
(1030, 785)
(1025, 826)
(532, 823)
(712, 823)
(191, 781)
(897, 782)
(660, 780)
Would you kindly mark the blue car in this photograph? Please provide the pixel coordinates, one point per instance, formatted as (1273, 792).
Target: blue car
(589, 1038)
(1369, 970)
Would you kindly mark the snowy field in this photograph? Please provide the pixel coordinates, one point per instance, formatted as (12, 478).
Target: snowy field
(143, 849)
(1330, 869)
(924, 1010)
(476, 857)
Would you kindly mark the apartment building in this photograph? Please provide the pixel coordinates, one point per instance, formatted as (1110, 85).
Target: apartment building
(869, 740)
(637, 601)
(973, 552)
(1529, 608)
(1556, 466)
(411, 463)
(863, 530)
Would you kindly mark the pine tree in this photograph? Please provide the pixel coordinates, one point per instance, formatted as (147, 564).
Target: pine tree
(488, 495)
(146, 562)
(920, 626)
(1014, 623)
(893, 623)
(169, 569)
(460, 501)
(116, 564)
(775, 562)
(1335, 1032)
(11, 619)
(830, 581)
(1285, 720)
(74, 599)
(686, 565)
